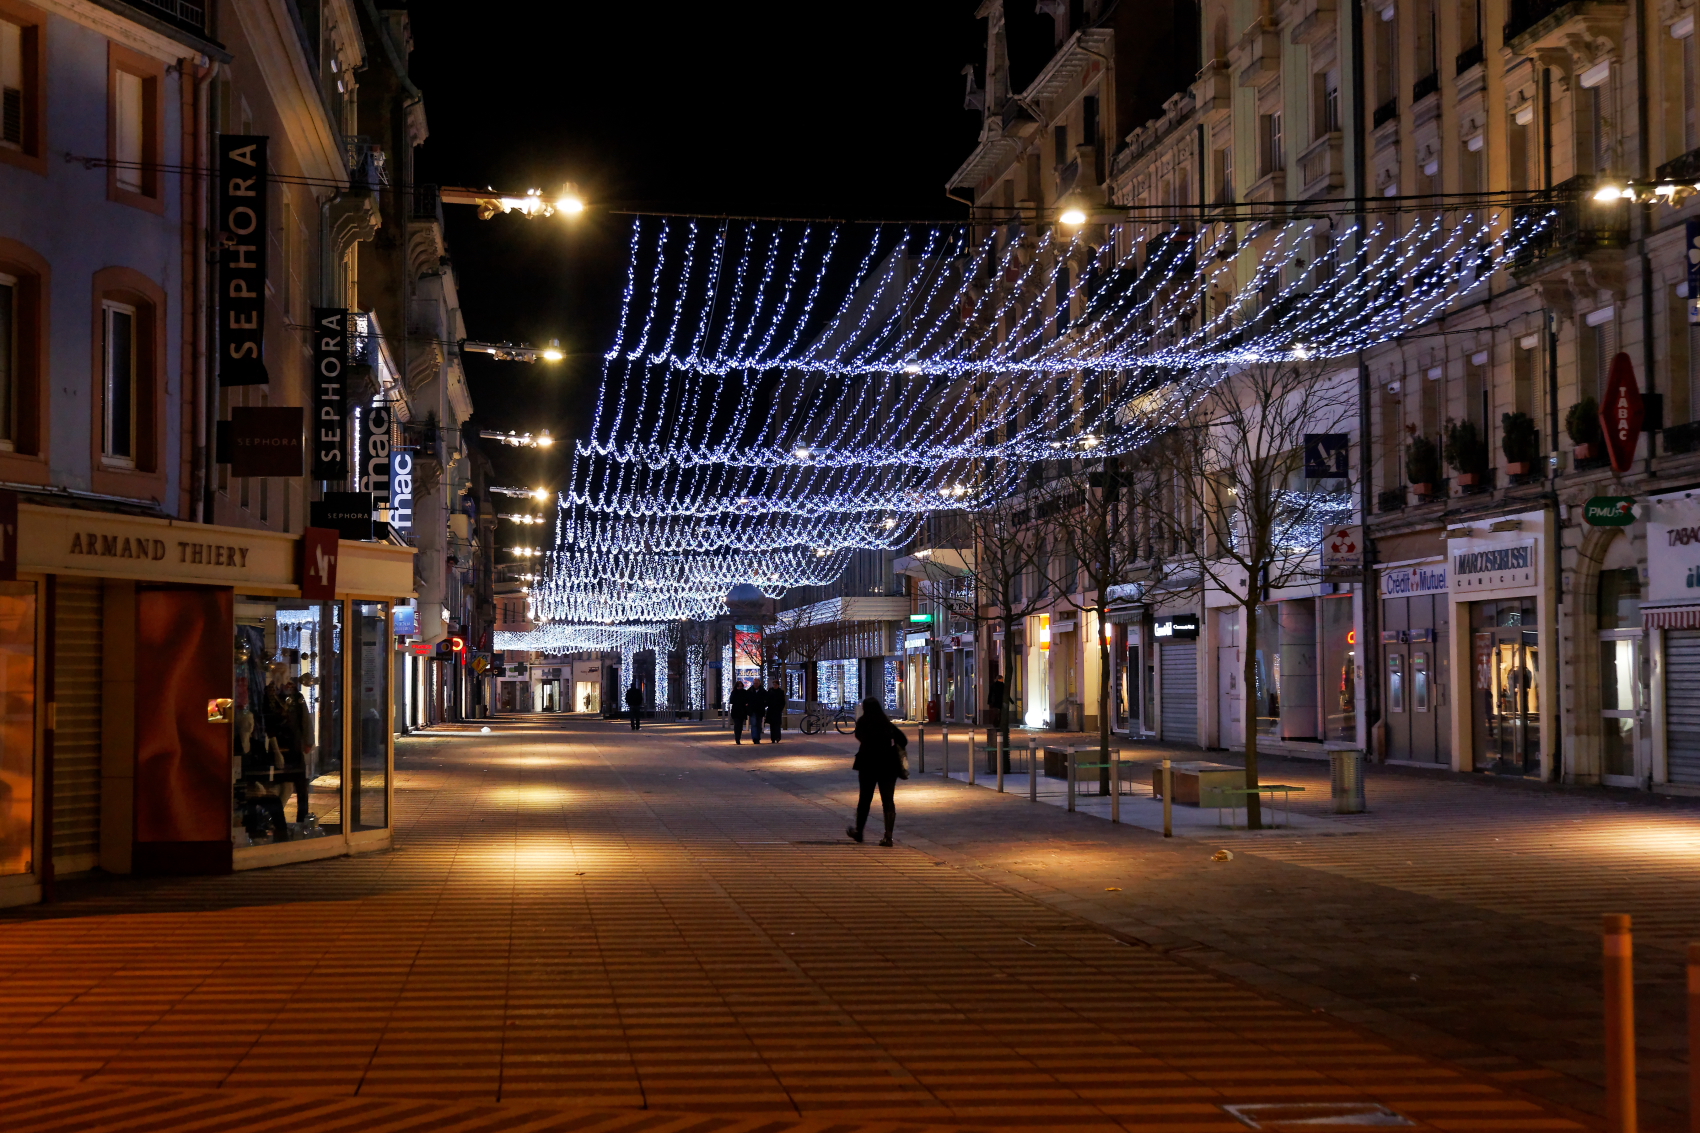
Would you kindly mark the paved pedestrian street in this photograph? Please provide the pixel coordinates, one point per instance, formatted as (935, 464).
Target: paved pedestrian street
(590, 929)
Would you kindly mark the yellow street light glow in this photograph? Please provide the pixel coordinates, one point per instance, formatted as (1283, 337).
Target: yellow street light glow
(540, 493)
(553, 354)
(545, 440)
(1073, 217)
(572, 206)
(1607, 193)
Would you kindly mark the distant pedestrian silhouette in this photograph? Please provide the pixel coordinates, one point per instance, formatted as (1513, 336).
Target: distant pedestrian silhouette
(738, 706)
(879, 761)
(758, 708)
(634, 704)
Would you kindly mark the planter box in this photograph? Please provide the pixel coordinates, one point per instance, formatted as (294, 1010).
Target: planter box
(1422, 491)
(1586, 452)
(1519, 467)
(1469, 479)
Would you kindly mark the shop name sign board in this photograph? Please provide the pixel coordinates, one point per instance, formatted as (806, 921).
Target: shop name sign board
(1428, 578)
(243, 228)
(330, 404)
(1492, 568)
(1673, 549)
(1622, 413)
(1609, 511)
(1176, 626)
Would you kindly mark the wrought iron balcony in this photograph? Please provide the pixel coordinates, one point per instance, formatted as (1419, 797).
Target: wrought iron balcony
(1425, 86)
(180, 13)
(1386, 112)
(1565, 223)
(1524, 17)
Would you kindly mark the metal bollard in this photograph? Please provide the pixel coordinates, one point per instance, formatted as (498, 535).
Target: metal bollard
(1115, 762)
(970, 746)
(1168, 799)
(944, 733)
(1032, 773)
(1071, 769)
(921, 742)
(1694, 1038)
(1618, 959)
(997, 757)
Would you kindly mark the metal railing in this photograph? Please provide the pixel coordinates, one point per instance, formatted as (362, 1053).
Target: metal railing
(181, 12)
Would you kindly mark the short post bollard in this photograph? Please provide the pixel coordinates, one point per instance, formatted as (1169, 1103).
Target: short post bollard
(1694, 1038)
(998, 755)
(1617, 956)
(921, 743)
(1071, 762)
(1032, 773)
(1115, 762)
(1168, 799)
(944, 740)
(970, 746)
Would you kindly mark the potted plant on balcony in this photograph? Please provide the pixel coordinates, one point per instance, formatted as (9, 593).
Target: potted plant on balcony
(1521, 443)
(1466, 452)
(1422, 466)
(1583, 425)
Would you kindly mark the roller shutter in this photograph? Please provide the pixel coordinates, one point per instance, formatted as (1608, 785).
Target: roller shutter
(76, 742)
(1682, 705)
(1179, 694)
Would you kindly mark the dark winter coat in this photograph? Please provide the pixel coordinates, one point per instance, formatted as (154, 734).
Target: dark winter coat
(880, 742)
(634, 698)
(739, 703)
(775, 702)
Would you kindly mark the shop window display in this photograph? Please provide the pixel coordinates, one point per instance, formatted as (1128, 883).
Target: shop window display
(17, 725)
(286, 721)
(369, 767)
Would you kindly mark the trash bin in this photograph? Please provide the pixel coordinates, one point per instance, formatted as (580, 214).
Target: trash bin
(1348, 781)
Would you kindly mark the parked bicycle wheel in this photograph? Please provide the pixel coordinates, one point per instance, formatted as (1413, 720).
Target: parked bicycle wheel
(845, 723)
(811, 724)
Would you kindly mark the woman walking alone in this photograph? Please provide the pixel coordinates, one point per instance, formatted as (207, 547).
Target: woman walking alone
(879, 762)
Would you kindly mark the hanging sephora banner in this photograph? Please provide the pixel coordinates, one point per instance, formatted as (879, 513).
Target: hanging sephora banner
(330, 398)
(242, 223)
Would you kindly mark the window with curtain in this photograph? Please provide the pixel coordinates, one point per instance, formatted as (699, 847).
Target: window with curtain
(118, 418)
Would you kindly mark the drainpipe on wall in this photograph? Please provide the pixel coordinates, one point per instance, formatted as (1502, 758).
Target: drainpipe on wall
(1369, 650)
(1644, 157)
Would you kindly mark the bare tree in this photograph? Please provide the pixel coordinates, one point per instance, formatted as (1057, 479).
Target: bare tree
(796, 635)
(1225, 498)
(1003, 578)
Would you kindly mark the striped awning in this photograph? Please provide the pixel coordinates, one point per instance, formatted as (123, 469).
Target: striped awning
(1670, 617)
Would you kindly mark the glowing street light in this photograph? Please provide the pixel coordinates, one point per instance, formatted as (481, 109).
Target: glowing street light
(1073, 216)
(508, 352)
(523, 493)
(518, 440)
(531, 203)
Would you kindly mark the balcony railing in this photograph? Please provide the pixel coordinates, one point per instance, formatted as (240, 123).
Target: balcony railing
(1566, 222)
(1468, 58)
(1685, 167)
(184, 14)
(1425, 86)
(1682, 438)
(1523, 15)
(1387, 111)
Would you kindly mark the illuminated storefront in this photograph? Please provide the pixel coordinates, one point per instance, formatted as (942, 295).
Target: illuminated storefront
(205, 714)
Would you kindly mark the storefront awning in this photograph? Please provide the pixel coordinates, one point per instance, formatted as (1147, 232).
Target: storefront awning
(1670, 617)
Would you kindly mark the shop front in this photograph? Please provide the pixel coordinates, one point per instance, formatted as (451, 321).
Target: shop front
(1501, 675)
(1176, 636)
(1669, 617)
(1416, 662)
(205, 715)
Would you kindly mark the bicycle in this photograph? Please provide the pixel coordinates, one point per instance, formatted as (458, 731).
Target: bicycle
(845, 721)
(813, 720)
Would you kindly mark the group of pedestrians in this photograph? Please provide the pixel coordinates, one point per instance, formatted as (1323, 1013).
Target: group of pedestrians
(752, 706)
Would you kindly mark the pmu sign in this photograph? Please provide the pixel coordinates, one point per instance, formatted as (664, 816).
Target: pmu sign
(1621, 414)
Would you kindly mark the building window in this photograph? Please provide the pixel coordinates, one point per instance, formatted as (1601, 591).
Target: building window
(134, 129)
(1225, 175)
(119, 353)
(1270, 155)
(20, 86)
(9, 361)
(1328, 103)
(11, 85)
(1386, 57)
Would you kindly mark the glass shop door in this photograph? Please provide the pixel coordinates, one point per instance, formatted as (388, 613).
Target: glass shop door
(1506, 694)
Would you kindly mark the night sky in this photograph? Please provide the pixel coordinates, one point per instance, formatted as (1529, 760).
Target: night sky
(754, 108)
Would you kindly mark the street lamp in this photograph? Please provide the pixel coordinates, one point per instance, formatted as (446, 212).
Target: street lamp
(531, 203)
(518, 440)
(523, 493)
(508, 352)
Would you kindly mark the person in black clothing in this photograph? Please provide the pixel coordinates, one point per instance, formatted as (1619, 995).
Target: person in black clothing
(878, 761)
(757, 703)
(634, 702)
(738, 705)
(775, 710)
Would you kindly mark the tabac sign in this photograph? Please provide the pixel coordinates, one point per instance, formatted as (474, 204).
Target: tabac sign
(1621, 414)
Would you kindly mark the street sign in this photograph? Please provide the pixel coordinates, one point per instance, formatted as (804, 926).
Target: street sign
(1622, 413)
(1326, 456)
(1609, 511)
(1342, 549)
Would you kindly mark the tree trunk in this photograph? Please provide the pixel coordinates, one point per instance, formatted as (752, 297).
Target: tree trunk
(1008, 677)
(1248, 715)
(1105, 776)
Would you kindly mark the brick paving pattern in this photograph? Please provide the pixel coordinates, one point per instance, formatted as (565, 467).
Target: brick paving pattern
(584, 928)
